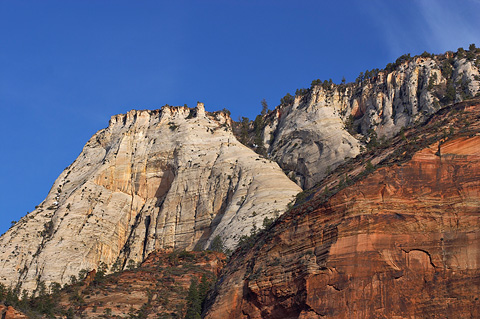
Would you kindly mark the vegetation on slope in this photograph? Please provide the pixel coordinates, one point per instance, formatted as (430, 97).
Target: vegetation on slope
(166, 285)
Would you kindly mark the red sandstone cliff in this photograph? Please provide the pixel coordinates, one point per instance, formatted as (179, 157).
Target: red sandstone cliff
(404, 242)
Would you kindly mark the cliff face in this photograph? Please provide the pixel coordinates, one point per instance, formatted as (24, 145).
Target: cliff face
(175, 177)
(310, 140)
(402, 242)
(328, 123)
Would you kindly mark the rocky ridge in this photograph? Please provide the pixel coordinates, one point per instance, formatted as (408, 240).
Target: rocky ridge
(392, 234)
(157, 288)
(312, 133)
(170, 178)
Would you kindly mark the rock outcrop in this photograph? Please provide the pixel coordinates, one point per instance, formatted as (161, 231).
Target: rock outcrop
(310, 140)
(158, 288)
(8, 312)
(323, 126)
(175, 177)
(402, 242)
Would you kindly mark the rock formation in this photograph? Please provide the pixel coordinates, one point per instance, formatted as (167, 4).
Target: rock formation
(310, 135)
(404, 241)
(175, 177)
(310, 140)
(11, 313)
(159, 287)
(399, 241)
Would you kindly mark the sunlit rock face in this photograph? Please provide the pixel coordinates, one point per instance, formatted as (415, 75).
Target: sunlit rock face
(175, 177)
(328, 123)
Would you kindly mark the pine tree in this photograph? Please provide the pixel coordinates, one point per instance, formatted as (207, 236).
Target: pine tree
(203, 288)
(217, 244)
(194, 303)
(265, 109)
(101, 272)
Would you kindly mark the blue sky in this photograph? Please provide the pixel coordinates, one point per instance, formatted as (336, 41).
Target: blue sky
(67, 66)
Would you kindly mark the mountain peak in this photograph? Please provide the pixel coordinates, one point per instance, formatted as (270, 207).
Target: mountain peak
(170, 178)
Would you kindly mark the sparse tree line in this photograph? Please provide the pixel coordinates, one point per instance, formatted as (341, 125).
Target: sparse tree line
(469, 55)
(250, 133)
(44, 301)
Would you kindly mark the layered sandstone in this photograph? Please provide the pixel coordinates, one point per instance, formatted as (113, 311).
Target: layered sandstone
(170, 178)
(328, 123)
(403, 242)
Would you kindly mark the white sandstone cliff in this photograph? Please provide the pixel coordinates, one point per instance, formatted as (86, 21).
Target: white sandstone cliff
(327, 124)
(175, 177)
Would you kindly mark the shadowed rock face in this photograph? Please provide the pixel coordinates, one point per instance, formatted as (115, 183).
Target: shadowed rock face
(310, 140)
(403, 242)
(175, 177)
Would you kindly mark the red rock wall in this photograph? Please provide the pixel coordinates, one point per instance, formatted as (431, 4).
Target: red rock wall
(402, 243)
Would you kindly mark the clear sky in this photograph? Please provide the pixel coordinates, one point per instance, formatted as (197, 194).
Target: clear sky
(67, 66)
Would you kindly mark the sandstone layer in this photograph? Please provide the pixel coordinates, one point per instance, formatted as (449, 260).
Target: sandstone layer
(328, 123)
(403, 242)
(171, 178)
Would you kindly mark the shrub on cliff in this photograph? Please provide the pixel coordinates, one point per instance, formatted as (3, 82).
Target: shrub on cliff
(301, 92)
(315, 83)
(402, 59)
(287, 99)
(450, 93)
(258, 126)
(425, 54)
(100, 274)
(217, 244)
(369, 167)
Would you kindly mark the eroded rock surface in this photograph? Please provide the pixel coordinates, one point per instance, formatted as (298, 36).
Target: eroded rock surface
(175, 177)
(328, 123)
(403, 242)
(310, 141)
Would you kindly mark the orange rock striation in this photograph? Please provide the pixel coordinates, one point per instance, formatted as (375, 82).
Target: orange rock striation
(403, 242)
